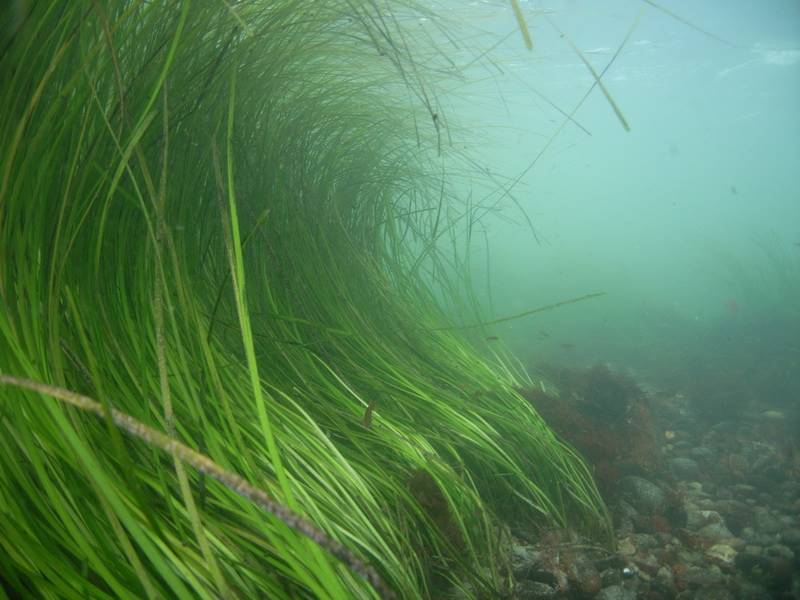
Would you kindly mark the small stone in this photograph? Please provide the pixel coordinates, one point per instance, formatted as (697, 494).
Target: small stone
(742, 489)
(616, 592)
(684, 468)
(647, 564)
(715, 532)
(715, 592)
(611, 577)
(644, 541)
(700, 577)
(722, 554)
(626, 547)
(773, 415)
(791, 537)
(781, 551)
(695, 519)
(694, 487)
(702, 453)
(764, 522)
(664, 577)
(533, 590)
(584, 576)
(644, 496)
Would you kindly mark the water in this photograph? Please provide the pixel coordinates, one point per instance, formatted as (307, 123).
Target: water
(690, 222)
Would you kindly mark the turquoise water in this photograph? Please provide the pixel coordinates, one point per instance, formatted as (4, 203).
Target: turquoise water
(690, 221)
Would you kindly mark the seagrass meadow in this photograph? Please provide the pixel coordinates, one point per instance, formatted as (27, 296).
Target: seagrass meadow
(230, 307)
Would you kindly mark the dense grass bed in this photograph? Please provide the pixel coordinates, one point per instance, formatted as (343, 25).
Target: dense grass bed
(222, 223)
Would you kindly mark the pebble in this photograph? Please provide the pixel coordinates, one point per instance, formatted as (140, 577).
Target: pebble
(791, 537)
(626, 547)
(715, 532)
(742, 489)
(702, 453)
(616, 592)
(583, 575)
(694, 528)
(694, 487)
(722, 554)
(533, 590)
(699, 518)
(764, 522)
(781, 551)
(644, 496)
(684, 468)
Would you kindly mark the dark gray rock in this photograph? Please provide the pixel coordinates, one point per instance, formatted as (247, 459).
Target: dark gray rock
(702, 453)
(616, 592)
(764, 522)
(716, 592)
(742, 489)
(703, 577)
(584, 576)
(524, 561)
(684, 468)
(737, 514)
(791, 537)
(715, 532)
(644, 496)
(533, 590)
(611, 577)
(781, 551)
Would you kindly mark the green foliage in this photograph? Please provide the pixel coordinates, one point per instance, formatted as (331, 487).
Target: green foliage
(211, 216)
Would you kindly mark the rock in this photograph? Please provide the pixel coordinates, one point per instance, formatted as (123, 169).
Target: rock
(533, 590)
(742, 489)
(703, 577)
(647, 564)
(716, 592)
(787, 521)
(644, 541)
(695, 518)
(583, 575)
(614, 561)
(702, 453)
(736, 543)
(665, 579)
(694, 488)
(714, 532)
(764, 522)
(736, 514)
(626, 547)
(772, 572)
(644, 496)
(790, 489)
(684, 468)
(524, 561)
(722, 554)
(611, 577)
(773, 415)
(781, 551)
(749, 534)
(616, 592)
(791, 537)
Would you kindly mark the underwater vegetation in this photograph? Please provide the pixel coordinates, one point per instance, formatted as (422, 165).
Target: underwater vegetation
(605, 415)
(227, 368)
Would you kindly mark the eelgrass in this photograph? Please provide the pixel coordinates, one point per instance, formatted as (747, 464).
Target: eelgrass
(218, 219)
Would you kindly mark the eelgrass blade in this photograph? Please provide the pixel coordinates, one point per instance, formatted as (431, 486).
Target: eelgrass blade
(204, 464)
